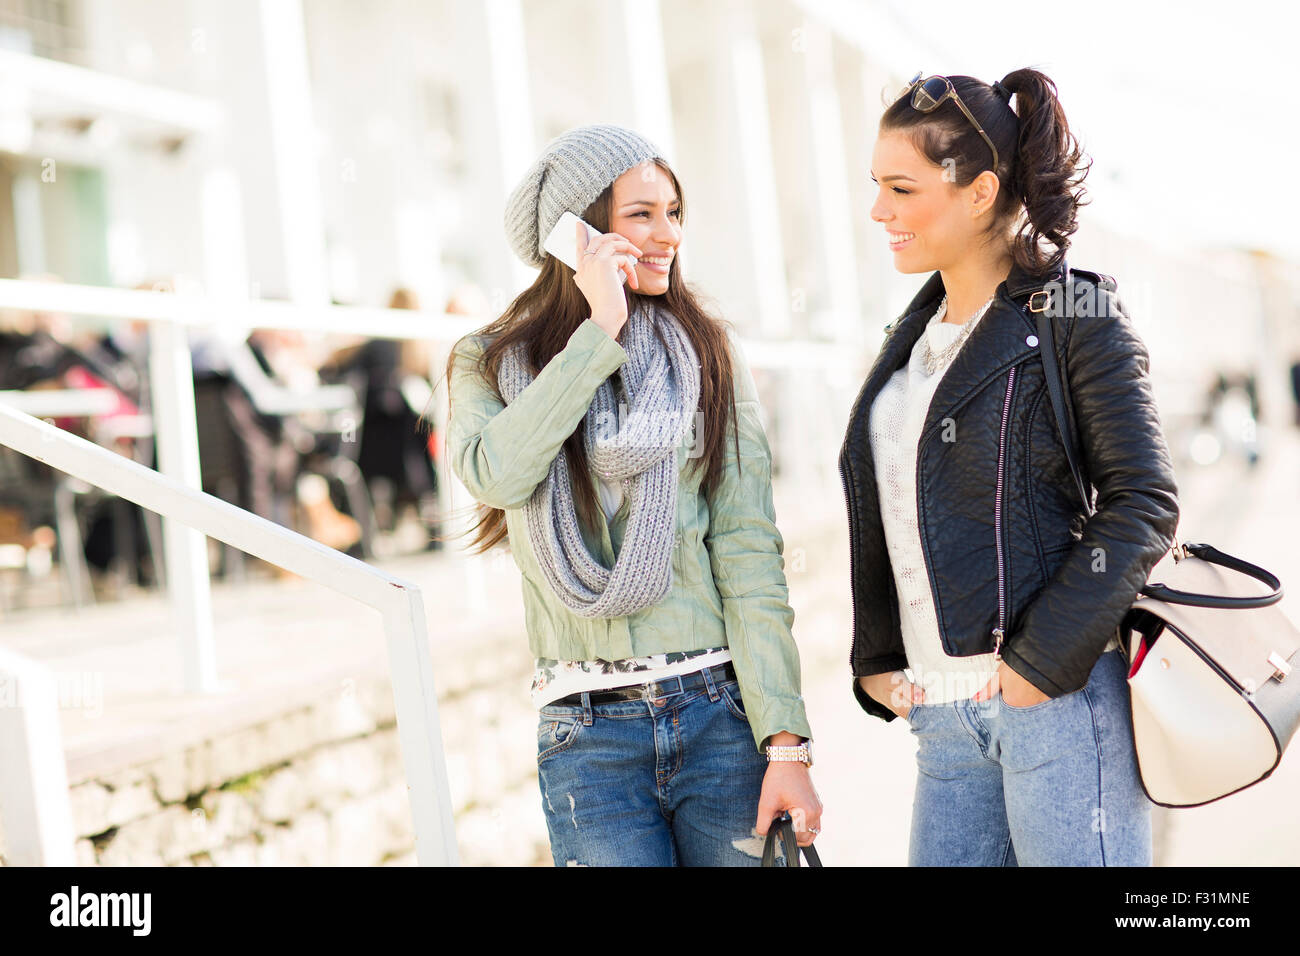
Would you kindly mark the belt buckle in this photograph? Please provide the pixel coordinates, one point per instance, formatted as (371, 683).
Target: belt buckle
(652, 691)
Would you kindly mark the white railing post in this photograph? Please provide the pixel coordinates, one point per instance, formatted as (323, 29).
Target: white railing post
(418, 729)
(398, 601)
(184, 549)
(35, 807)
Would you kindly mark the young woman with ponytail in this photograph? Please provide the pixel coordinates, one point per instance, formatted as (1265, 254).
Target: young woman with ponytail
(610, 433)
(974, 563)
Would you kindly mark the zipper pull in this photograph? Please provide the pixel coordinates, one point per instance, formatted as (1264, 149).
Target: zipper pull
(997, 643)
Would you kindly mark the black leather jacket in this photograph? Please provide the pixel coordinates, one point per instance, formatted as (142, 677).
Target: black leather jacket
(1006, 540)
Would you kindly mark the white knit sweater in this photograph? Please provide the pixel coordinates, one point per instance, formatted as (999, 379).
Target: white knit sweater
(897, 416)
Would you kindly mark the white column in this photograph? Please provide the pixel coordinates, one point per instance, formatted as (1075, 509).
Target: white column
(294, 150)
(830, 196)
(418, 253)
(753, 227)
(225, 254)
(250, 58)
(498, 131)
(377, 173)
(635, 69)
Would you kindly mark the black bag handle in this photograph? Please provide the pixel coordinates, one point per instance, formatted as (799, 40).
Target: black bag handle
(783, 827)
(1056, 386)
(1213, 555)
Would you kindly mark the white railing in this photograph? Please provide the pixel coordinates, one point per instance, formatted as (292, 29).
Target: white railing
(188, 515)
(34, 804)
(169, 315)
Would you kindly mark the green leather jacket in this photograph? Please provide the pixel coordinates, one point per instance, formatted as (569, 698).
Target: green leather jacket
(729, 584)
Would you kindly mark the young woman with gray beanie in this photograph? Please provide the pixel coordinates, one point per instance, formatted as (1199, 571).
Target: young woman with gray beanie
(611, 433)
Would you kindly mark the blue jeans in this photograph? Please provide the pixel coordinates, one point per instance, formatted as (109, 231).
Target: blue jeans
(661, 781)
(1052, 784)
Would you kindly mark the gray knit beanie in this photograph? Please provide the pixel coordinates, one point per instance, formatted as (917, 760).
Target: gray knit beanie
(572, 171)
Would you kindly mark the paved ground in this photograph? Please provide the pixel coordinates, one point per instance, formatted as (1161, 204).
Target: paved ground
(274, 635)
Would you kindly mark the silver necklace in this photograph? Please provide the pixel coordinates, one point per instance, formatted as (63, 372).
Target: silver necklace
(933, 361)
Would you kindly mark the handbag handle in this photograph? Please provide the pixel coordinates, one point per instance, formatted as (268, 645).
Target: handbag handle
(1213, 555)
(783, 827)
(1056, 386)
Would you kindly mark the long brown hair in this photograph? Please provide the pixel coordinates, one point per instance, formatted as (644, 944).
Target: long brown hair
(1042, 165)
(548, 312)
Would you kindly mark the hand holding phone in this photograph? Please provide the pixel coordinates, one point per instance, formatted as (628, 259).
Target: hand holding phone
(591, 254)
(560, 241)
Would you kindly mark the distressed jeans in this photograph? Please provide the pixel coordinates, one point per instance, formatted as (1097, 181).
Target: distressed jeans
(1052, 784)
(664, 781)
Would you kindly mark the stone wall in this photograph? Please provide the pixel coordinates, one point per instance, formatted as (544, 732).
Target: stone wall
(323, 784)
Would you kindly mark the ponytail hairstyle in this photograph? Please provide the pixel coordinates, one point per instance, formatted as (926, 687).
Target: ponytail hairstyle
(1041, 164)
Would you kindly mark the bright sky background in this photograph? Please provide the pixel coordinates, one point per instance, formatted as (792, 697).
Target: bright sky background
(1191, 111)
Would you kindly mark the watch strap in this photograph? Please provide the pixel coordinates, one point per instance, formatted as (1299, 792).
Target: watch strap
(796, 754)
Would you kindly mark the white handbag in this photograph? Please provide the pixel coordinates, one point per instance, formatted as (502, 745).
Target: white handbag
(1211, 658)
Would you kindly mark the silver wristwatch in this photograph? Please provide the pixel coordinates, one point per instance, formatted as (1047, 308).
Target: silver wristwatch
(800, 754)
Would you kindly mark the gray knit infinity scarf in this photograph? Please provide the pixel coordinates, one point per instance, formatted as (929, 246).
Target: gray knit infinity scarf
(662, 390)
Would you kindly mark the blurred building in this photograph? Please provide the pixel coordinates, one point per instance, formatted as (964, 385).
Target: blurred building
(321, 150)
(326, 150)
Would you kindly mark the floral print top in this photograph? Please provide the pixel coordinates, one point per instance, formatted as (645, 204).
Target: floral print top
(555, 679)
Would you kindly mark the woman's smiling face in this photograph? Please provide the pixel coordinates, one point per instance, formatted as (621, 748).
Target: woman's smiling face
(927, 217)
(646, 210)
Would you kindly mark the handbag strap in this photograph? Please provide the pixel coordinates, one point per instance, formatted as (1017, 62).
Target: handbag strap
(783, 828)
(1056, 390)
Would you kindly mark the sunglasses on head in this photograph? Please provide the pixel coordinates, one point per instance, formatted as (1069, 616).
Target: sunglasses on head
(929, 93)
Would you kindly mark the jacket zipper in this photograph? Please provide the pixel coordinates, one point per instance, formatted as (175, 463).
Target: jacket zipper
(999, 632)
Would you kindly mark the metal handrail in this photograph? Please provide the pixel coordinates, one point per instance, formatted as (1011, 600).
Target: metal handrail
(399, 601)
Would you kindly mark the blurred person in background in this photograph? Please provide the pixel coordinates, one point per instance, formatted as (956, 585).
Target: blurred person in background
(1230, 415)
(252, 457)
(45, 351)
(30, 357)
(974, 563)
(1295, 389)
(121, 357)
(38, 348)
(247, 457)
(671, 724)
(395, 459)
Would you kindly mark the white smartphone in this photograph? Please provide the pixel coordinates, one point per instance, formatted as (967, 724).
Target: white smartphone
(563, 243)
